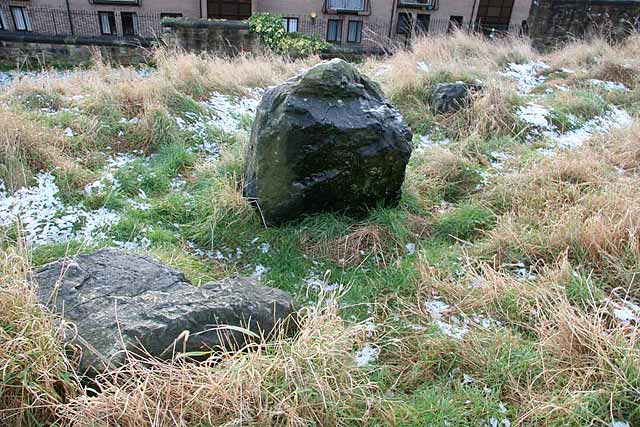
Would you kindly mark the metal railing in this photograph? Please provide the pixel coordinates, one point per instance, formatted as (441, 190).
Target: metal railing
(59, 22)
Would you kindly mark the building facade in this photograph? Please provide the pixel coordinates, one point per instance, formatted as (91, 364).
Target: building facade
(343, 22)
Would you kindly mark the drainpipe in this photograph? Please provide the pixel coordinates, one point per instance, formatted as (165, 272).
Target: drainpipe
(69, 15)
(471, 19)
(200, 9)
(393, 13)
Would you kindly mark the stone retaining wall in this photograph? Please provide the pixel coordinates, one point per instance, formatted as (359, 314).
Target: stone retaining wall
(218, 37)
(555, 21)
(17, 50)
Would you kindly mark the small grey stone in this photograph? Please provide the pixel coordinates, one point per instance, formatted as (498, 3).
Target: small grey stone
(450, 97)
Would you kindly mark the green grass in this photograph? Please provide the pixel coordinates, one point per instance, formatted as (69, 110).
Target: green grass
(465, 222)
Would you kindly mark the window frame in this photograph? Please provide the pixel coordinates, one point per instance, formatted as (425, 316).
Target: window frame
(359, 27)
(288, 20)
(134, 21)
(339, 24)
(26, 19)
(171, 15)
(4, 24)
(112, 22)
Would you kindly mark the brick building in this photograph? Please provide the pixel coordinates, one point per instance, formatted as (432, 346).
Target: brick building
(347, 22)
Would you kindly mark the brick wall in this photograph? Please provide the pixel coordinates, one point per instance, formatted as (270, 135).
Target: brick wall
(555, 21)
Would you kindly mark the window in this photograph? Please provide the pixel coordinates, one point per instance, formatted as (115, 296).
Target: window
(455, 22)
(354, 33)
(346, 5)
(334, 30)
(291, 25)
(170, 15)
(422, 23)
(129, 23)
(107, 23)
(21, 19)
(4, 25)
(405, 23)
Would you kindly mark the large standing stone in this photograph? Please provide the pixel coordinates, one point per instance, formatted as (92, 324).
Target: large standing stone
(326, 140)
(116, 298)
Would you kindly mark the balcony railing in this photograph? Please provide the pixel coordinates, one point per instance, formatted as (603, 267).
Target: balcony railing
(426, 4)
(346, 5)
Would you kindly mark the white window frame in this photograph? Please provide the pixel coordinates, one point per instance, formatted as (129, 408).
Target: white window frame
(104, 22)
(291, 24)
(21, 19)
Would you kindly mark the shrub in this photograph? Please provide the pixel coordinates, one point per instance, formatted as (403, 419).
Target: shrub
(272, 34)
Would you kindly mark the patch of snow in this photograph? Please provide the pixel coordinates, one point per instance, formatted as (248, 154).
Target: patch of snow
(423, 66)
(320, 285)
(609, 85)
(366, 355)
(259, 270)
(453, 327)
(44, 218)
(426, 141)
(535, 115)
(625, 311)
(612, 119)
(526, 75)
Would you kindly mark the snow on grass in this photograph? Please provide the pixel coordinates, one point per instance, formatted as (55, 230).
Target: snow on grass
(453, 327)
(537, 117)
(624, 310)
(612, 119)
(526, 75)
(43, 217)
(366, 355)
(609, 85)
(223, 112)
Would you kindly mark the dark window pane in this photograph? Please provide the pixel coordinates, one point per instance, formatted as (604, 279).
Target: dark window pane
(405, 23)
(129, 23)
(422, 23)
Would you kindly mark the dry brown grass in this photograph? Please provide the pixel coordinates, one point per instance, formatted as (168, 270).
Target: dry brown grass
(489, 114)
(311, 379)
(366, 242)
(457, 54)
(27, 147)
(577, 202)
(35, 375)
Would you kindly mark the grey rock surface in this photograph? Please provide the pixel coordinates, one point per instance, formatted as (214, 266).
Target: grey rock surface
(121, 300)
(326, 140)
(450, 97)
